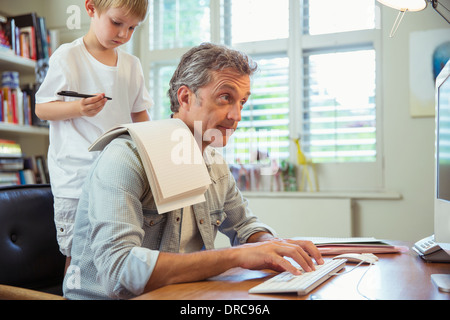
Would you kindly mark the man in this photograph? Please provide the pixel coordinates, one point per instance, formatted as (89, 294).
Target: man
(123, 247)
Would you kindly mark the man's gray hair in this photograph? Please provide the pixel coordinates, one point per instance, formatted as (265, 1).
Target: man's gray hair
(196, 68)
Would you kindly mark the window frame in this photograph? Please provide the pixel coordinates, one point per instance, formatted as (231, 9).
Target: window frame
(359, 176)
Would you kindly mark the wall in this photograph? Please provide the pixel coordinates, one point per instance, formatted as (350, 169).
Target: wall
(408, 142)
(301, 215)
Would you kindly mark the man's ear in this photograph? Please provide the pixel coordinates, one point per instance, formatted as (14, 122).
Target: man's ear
(184, 97)
(90, 8)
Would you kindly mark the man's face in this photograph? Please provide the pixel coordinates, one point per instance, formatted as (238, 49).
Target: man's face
(216, 108)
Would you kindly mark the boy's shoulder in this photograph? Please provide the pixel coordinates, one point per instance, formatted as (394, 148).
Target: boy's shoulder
(66, 49)
(128, 56)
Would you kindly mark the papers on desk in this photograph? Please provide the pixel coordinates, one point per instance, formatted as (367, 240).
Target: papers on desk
(335, 246)
(172, 160)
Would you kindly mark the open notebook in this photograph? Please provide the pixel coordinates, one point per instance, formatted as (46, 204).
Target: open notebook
(172, 161)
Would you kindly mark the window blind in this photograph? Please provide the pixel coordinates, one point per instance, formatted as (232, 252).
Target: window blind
(339, 111)
(179, 23)
(265, 118)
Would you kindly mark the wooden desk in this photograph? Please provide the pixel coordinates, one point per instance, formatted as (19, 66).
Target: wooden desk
(401, 276)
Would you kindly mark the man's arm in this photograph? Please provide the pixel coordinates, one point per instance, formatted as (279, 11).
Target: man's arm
(178, 268)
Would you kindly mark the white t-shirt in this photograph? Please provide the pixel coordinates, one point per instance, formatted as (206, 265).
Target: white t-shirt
(73, 68)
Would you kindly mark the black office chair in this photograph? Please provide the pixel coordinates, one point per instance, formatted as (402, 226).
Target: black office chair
(31, 265)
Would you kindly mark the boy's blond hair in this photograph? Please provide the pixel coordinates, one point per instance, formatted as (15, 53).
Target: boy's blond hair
(137, 8)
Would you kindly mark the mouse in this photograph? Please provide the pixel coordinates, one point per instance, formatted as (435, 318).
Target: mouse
(358, 257)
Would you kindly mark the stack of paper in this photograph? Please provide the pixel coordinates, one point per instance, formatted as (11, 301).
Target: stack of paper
(172, 160)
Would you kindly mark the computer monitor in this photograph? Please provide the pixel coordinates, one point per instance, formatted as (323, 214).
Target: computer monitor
(442, 160)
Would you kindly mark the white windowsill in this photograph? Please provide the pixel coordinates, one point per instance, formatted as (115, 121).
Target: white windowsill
(382, 195)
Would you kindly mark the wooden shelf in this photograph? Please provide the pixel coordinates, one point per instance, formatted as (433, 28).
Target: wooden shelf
(18, 129)
(12, 62)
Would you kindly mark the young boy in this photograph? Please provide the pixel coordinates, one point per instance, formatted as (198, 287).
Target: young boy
(92, 64)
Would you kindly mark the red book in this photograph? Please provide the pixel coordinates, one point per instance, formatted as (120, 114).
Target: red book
(14, 107)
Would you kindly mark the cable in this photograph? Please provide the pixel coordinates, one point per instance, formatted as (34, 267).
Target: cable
(359, 281)
(342, 273)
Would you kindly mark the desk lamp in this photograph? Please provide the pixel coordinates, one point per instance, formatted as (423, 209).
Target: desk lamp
(414, 5)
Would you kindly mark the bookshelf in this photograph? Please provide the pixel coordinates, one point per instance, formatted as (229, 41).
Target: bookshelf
(33, 139)
(23, 41)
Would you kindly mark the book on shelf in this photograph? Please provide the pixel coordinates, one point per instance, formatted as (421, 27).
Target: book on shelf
(10, 149)
(15, 169)
(28, 43)
(9, 179)
(17, 106)
(4, 40)
(172, 160)
(27, 36)
(11, 162)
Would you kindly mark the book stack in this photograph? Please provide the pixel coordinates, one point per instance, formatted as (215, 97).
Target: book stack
(11, 162)
(335, 246)
(15, 169)
(17, 106)
(172, 160)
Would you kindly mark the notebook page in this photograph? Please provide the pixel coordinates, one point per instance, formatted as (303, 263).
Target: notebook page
(172, 160)
(174, 176)
(106, 138)
(176, 202)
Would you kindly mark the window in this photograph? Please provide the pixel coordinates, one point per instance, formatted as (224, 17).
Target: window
(160, 75)
(257, 20)
(331, 16)
(318, 78)
(179, 23)
(264, 126)
(339, 115)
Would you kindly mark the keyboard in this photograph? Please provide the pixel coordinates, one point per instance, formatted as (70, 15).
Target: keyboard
(286, 282)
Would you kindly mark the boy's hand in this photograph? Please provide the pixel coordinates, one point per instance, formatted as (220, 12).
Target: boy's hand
(90, 107)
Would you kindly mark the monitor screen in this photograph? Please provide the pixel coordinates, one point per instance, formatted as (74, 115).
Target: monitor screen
(442, 163)
(443, 141)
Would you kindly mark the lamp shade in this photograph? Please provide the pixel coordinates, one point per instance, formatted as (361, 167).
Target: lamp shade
(405, 5)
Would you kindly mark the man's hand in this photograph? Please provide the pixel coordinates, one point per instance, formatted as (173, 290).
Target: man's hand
(270, 253)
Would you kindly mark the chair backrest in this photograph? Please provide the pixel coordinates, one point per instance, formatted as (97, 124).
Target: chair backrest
(29, 252)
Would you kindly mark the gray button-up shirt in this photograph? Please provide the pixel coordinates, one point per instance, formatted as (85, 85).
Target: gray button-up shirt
(118, 232)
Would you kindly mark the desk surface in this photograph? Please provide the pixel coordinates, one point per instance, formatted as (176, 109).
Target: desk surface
(400, 276)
